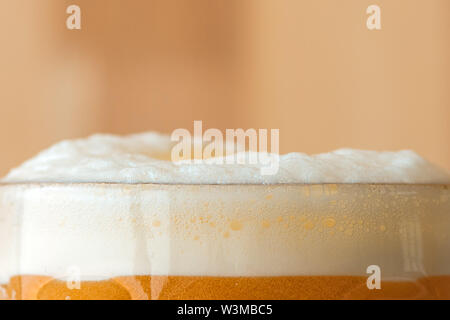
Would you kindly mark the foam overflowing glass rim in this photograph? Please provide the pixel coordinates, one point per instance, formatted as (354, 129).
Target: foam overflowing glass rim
(146, 159)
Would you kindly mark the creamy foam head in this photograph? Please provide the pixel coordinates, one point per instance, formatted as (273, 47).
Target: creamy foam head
(211, 228)
(145, 158)
(99, 231)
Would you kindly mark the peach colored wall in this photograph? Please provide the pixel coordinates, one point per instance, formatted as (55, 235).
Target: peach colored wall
(310, 68)
(329, 82)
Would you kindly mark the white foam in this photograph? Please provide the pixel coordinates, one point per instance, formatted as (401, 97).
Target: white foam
(144, 158)
(107, 230)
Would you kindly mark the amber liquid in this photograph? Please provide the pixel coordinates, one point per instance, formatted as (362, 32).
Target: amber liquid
(224, 288)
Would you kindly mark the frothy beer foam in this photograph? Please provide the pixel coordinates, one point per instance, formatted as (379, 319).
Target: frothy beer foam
(145, 158)
(148, 222)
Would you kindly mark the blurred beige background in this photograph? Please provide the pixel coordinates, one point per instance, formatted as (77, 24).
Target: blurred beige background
(308, 67)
